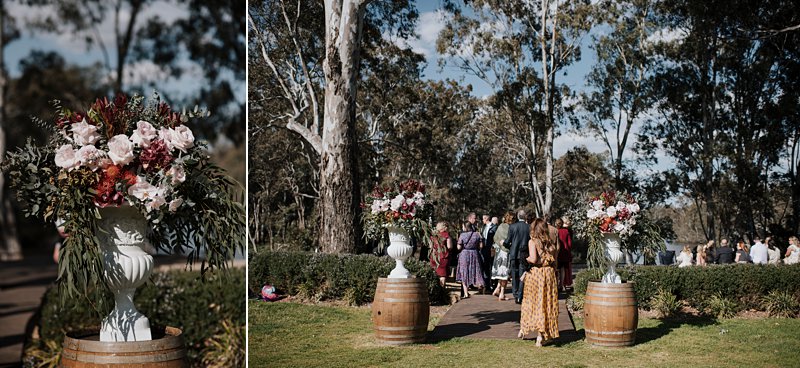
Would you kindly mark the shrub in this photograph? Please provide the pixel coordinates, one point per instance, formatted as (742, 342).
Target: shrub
(665, 303)
(575, 302)
(226, 348)
(780, 304)
(720, 306)
(172, 298)
(745, 285)
(319, 276)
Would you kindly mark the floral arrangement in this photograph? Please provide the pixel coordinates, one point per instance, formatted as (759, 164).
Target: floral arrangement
(617, 213)
(123, 151)
(403, 205)
(611, 213)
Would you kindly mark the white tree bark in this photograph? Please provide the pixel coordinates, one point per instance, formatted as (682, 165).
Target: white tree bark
(10, 248)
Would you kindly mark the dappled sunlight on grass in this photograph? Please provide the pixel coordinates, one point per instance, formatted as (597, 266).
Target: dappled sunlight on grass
(301, 335)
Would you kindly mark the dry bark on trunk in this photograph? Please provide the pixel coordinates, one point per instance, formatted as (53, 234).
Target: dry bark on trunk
(10, 248)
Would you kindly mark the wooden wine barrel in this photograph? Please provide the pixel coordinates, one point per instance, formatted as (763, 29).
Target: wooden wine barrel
(611, 314)
(400, 311)
(84, 349)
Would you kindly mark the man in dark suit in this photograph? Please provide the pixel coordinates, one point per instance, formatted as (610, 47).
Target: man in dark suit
(724, 254)
(517, 243)
(487, 232)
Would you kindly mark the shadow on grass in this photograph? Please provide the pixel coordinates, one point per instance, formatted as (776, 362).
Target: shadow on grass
(665, 326)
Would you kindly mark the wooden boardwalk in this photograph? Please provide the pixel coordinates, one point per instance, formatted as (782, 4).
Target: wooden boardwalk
(484, 317)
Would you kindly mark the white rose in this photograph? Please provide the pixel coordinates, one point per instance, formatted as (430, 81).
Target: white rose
(177, 173)
(168, 136)
(67, 158)
(143, 190)
(597, 205)
(183, 139)
(143, 134)
(120, 149)
(620, 206)
(619, 227)
(84, 133)
(397, 202)
(155, 203)
(175, 204)
(633, 208)
(611, 211)
(591, 214)
(376, 207)
(89, 156)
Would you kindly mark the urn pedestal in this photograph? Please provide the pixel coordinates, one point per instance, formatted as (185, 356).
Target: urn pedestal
(399, 249)
(613, 253)
(126, 266)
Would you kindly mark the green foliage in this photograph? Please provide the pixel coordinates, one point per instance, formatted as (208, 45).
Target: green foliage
(173, 298)
(720, 306)
(576, 302)
(320, 276)
(665, 303)
(227, 348)
(781, 304)
(743, 284)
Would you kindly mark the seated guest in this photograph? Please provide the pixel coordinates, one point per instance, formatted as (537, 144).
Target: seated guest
(701, 255)
(773, 251)
(685, 258)
(792, 255)
(758, 253)
(723, 254)
(742, 253)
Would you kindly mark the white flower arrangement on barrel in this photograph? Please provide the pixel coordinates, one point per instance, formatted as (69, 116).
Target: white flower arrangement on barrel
(119, 176)
(614, 221)
(403, 211)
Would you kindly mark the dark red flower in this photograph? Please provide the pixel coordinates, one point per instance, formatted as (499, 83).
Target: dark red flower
(156, 156)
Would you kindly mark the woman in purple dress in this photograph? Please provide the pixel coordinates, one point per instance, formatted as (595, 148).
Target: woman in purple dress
(470, 272)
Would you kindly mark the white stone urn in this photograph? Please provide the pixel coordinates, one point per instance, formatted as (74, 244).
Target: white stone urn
(126, 266)
(399, 249)
(613, 252)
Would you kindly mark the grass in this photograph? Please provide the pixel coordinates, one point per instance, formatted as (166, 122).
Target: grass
(300, 335)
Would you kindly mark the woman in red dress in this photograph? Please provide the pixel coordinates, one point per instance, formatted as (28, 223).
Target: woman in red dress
(440, 250)
(565, 253)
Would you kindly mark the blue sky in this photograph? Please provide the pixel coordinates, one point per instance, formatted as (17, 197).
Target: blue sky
(430, 23)
(75, 50)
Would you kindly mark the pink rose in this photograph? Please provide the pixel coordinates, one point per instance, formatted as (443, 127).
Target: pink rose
(177, 173)
(155, 203)
(143, 190)
(90, 156)
(67, 158)
(183, 139)
(143, 134)
(84, 133)
(175, 204)
(168, 136)
(120, 150)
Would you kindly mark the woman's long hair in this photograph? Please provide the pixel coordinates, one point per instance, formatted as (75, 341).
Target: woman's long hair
(540, 231)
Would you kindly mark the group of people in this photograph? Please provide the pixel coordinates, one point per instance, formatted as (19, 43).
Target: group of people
(759, 253)
(534, 255)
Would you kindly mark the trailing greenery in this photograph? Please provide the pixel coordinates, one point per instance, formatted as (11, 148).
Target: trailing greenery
(323, 276)
(743, 284)
(173, 298)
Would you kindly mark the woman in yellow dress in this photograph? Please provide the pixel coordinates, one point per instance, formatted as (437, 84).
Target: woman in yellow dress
(540, 295)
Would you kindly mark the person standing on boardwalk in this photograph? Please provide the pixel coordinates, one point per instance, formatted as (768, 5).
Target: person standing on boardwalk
(487, 232)
(501, 271)
(441, 244)
(469, 260)
(517, 243)
(564, 252)
(539, 310)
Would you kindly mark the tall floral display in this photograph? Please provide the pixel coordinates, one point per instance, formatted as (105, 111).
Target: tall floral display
(120, 175)
(614, 217)
(403, 212)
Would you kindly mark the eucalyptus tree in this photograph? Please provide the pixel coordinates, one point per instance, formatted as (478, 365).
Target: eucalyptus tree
(621, 80)
(10, 248)
(518, 48)
(307, 85)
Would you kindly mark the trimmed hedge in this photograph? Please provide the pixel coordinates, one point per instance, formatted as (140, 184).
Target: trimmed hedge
(321, 276)
(172, 298)
(747, 284)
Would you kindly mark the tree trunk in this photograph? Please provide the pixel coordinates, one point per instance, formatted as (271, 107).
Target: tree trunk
(339, 186)
(709, 126)
(10, 248)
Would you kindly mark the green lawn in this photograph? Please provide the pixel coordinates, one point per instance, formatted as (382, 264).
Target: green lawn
(298, 335)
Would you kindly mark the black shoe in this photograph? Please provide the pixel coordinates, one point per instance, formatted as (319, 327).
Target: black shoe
(518, 300)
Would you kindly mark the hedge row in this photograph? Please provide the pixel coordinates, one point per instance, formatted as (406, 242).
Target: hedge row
(321, 276)
(173, 298)
(745, 283)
